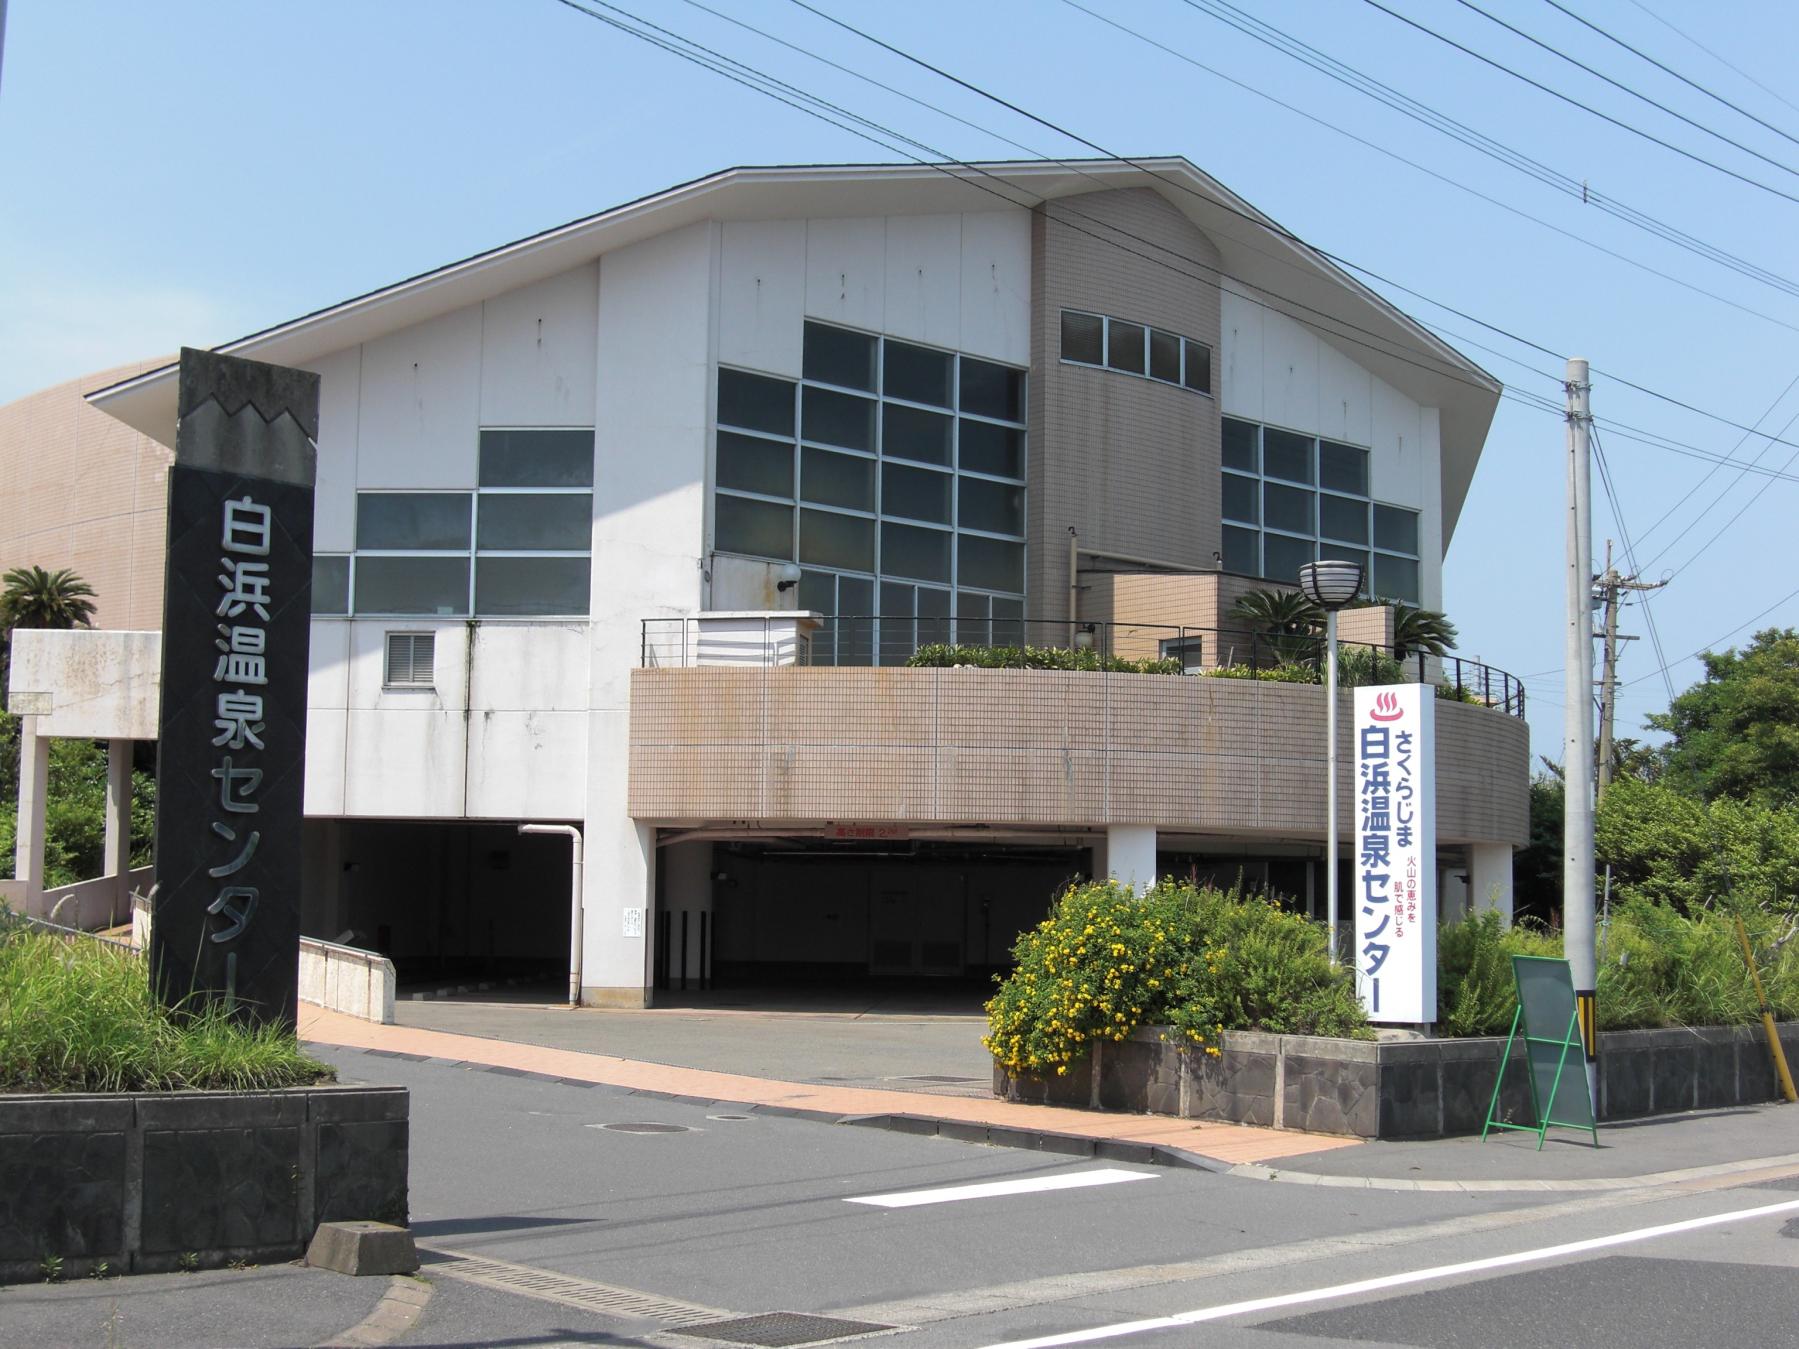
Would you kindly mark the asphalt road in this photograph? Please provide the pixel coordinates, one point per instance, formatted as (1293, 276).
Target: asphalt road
(518, 1181)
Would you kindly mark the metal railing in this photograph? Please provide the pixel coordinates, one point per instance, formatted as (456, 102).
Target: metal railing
(860, 640)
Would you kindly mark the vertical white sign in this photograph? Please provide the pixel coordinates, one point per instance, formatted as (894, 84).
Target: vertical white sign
(1395, 894)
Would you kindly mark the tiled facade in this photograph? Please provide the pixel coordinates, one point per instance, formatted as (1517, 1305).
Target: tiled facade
(1032, 748)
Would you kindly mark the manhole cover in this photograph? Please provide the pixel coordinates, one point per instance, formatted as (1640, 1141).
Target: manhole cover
(780, 1328)
(732, 1118)
(643, 1127)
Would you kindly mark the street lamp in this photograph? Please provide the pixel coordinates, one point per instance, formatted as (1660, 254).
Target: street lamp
(1330, 585)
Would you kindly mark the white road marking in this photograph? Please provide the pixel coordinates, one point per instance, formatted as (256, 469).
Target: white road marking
(1067, 1180)
(1263, 1304)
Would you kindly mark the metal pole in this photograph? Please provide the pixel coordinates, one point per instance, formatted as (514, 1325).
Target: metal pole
(1577, 740)
(574, 915)
(1608, 676)
(1330, 778)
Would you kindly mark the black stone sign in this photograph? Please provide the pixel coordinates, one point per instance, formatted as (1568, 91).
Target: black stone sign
(236, 624)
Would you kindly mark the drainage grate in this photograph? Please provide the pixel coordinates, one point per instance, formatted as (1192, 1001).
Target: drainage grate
(932, 1077)
(779, 1329)
(644, 1127)
(569, 1292)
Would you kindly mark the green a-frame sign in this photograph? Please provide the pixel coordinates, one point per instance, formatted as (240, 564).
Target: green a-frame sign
(1554, 1054)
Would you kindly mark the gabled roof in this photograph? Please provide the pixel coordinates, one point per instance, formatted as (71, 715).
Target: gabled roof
(1262, 260)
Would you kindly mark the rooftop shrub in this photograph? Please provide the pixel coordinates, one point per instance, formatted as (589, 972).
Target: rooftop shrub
(943, 655)
(77, 1014)
(1198, 960)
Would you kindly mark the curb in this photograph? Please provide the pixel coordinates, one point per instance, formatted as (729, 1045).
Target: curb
(1786, 1163)
(397, 1312)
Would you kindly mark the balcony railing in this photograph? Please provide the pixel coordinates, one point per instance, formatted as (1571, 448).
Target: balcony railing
(860, 640)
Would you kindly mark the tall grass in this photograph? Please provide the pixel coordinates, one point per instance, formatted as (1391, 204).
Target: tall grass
(79, 1015)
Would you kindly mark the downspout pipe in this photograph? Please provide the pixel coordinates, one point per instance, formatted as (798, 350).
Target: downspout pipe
(574, 903)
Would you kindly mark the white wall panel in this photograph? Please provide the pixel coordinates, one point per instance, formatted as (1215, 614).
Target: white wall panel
(996, 285)
(1397, 467)
(1240, 360)
(328, 664)
(528, 764)
(537, 353)
(762, 295)
(1430, 525)
(846, 271)
(1289, 374)
(1345, 397)
(334, 493)
(324, 790)
(529, 666)
(405, 762)
(421, 404)
(924, 279)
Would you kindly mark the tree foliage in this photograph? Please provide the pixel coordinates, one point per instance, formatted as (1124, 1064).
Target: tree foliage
(31, 597)
(1736, 732)
(1672, 849)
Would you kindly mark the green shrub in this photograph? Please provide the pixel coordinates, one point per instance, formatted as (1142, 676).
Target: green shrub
(1475, 992)
(78, 1015)
(941, 655)
(1202, 961)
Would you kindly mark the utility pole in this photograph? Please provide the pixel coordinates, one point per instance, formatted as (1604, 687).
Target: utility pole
(1577, 738)
(1612, 588)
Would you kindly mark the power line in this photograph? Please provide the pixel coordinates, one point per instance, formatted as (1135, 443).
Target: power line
(1775, 93)
(1725, 527)
(1741, 441)
(1620, 85)
(1667, 69)
(1322, 62)
(1584, 107)
(1364, 141)
(1713, 644)
(1630, 555)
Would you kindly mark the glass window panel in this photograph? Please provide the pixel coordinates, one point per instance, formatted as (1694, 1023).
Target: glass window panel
(1285, 455)
(330, 584)
(1287, 508)
(996, 507)
(412, 520)
(412, 585)
(1083, 338)
(1396, 528)
(1342, 468)
(758, 528)
(1282, 557)
(838, 356)
(1395, 578)
(837, 479)
(855, 634)
(898, 635)
(990, 390)
(912, 433)
(531, 585)
(1124, 346)
(1008, 621)
(916, 493)
(989, 563)
(1198, 368)
(907, 550)
(830, 540)
(1242, 551)
(818, 592)
(933, 615)
(1240, 445)
(537, 458)
(838, 419)
(752, 464)
(987, 448)
(918, 374)
(972, 613)
(755, 402)
(1240, 499)
(1343, 518)
(896, 599)
(1345, 553)
(527, 521)
(1165, 356)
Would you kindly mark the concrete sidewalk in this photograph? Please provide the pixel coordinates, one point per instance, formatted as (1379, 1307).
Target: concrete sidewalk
(1144, 1138)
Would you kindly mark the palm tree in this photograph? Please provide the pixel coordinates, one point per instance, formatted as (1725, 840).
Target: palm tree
(31, 597)
(1421, 630)
(1284, 622)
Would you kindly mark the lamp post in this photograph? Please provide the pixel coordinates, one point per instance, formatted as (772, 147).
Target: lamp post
(1330, 585)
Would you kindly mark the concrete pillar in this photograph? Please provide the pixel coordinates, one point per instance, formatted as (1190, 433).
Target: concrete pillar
(1128, 854)
(1490, 879)
(34, 786)
(116, 861)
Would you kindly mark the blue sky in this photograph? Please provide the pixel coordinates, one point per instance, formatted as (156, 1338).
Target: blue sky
(197, 169)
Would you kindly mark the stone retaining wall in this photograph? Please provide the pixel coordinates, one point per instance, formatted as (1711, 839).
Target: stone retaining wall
(1402, 1088)
(154, 1181)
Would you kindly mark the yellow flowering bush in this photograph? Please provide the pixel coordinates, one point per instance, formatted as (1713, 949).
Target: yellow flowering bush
(1202, 961)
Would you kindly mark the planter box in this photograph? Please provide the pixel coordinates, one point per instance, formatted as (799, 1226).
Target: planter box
(141, 1181)
(1401, 1088)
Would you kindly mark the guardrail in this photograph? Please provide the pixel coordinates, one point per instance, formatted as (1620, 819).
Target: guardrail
(852, 640)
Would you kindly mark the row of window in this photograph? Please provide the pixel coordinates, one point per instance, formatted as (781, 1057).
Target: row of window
(885, 463)
(519, 544)
(1136, 349)
(1291, 499)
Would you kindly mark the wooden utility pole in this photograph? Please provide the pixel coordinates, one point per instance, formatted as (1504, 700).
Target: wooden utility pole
(1612, 588)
